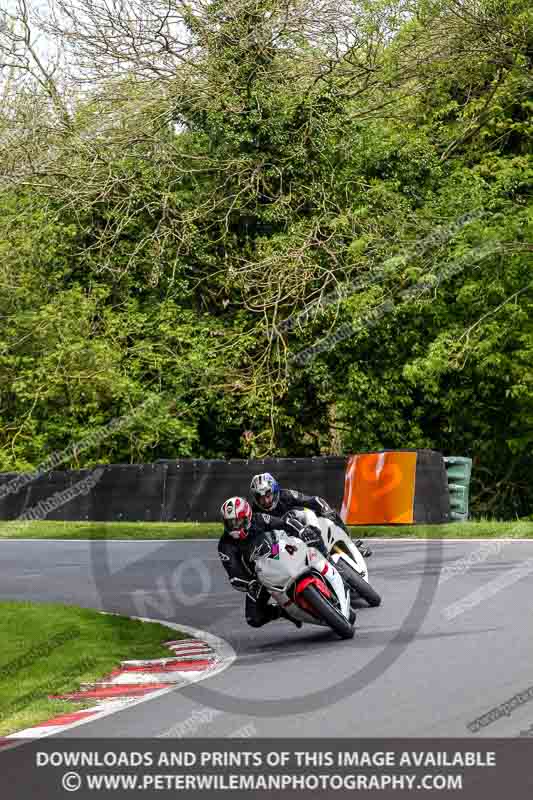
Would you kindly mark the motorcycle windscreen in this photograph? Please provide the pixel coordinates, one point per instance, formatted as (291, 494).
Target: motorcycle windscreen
(379, 488)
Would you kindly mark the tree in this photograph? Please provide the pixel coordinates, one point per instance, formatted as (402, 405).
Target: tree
(223, 187)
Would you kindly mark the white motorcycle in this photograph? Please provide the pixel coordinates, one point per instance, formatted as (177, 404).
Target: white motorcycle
(303, 583)
(344, 553)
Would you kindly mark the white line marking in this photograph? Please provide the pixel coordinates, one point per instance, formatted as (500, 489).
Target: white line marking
(119, 541)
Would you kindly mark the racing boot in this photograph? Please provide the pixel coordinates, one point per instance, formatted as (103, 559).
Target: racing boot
(283, 614)
(365, 551)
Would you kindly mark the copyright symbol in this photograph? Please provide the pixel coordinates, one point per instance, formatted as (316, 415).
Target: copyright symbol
(71, 781)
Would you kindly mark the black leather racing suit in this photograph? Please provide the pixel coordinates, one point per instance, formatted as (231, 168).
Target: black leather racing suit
(235, 557)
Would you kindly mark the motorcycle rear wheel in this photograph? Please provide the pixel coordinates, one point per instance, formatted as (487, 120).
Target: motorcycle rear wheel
(327, 612)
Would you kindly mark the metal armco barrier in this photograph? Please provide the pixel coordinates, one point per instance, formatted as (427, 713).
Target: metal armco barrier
(193, 490)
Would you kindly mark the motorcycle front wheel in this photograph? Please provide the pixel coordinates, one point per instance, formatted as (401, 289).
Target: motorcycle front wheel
(357, 583)
(327, 612)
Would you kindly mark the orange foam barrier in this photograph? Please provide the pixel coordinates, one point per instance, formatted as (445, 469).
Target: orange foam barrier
(379, 488)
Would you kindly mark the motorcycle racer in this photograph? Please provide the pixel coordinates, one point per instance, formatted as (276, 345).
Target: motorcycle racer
(243, 530)
(267, 495)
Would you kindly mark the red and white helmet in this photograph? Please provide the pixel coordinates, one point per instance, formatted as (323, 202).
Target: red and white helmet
(237, 516)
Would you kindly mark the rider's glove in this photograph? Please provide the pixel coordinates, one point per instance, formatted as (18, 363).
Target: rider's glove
(241, 584)
(294, 526)
(312, 536)
(254, 588)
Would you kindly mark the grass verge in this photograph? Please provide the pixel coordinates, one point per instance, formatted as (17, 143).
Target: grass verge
(49, 529)
(482, 529)
(52, 649)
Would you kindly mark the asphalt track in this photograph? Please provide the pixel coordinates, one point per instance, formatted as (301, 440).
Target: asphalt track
(410, 670)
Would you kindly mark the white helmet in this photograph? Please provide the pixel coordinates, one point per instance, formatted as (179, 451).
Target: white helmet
(264, 489)
(237, 516)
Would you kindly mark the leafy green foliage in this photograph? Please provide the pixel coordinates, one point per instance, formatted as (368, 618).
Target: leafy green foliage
(195, 234)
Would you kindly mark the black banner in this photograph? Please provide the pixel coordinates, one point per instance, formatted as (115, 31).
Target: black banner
(193, 490)
(179, 490)
(432, 497)
(276, 768)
